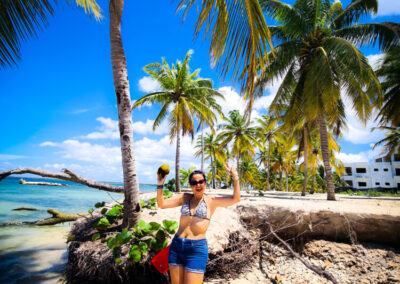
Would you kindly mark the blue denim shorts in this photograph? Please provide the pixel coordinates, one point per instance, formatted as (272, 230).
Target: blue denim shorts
(191, 254)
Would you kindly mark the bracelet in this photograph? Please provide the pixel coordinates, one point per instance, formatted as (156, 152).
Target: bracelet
(235, 178)
(160, 186)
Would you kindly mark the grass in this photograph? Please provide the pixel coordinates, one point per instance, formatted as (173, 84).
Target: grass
(370, 193)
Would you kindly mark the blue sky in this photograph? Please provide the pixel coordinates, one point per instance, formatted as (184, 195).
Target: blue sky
(59, 107)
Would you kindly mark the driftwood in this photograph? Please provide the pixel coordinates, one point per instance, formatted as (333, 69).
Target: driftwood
(64, 175)
(58, 217)
(320, 272)
(21, 181)
(26, 209)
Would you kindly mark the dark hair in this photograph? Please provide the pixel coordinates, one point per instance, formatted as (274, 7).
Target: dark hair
(197, 172)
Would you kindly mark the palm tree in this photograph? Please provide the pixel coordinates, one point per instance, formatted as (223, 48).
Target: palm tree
(184, 175)
(389, 72)
(236, 130)
(210, 100)
(267, 130)
(391, 141)
(212, 150)
(20, 20)
(184, 92)
(317, 58)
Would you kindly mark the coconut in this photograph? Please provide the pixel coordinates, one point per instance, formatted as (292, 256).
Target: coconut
(163, 170)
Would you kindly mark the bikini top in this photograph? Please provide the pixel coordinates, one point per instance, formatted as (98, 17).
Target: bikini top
(201, 211)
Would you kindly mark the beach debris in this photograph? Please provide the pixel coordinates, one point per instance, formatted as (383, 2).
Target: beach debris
(65, 174)
(22, 181)
(25, 209)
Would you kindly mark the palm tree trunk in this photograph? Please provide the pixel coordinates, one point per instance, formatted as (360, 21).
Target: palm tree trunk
(121, 86)
(202, 147)
(280, 180)
(269, 163)
(177, 161)
(212, 171)
(325, 156)
(312, 185)
(305, 149)
(287, 181)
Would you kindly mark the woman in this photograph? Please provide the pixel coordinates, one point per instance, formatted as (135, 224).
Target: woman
(188, 253)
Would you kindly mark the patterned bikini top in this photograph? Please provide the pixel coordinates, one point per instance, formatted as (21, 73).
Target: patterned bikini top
(201, 211)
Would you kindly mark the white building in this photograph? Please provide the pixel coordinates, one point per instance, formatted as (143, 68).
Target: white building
(383, 173)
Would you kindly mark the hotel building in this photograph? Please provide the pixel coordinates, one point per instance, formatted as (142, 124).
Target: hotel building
(383, 173)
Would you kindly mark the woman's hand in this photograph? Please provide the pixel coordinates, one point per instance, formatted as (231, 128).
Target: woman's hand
(232, 171)
(161, 180)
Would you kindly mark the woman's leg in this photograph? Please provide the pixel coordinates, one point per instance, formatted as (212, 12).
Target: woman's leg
(193, 278)
(177, 274)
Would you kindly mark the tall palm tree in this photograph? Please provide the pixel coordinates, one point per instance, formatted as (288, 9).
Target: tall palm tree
(213, 151)
(317, 57)
(184, 93)
(210, 100)
(267, 130)
(389, 72)
(236, 130)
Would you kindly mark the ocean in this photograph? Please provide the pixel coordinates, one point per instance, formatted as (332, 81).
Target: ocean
(33, 254)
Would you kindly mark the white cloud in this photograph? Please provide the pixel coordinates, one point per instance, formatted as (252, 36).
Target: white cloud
(364, 156)
(148, 85)
(108, 130)
(388, 7)
(144, 128)
(374, 60)
(79, 111)
(10, 157)
(356, 131)
(48, 143)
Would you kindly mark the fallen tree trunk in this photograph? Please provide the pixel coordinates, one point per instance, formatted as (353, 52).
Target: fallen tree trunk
(64, 175)
(57, 218)
(21, 181)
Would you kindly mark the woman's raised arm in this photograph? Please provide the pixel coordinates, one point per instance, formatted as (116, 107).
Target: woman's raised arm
(235, 198)
(174, 201)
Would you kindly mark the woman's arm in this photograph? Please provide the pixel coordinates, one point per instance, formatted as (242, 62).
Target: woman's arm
(174, 201)
(235, 198)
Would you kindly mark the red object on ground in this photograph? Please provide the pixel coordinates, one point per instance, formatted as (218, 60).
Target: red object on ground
(160, 260)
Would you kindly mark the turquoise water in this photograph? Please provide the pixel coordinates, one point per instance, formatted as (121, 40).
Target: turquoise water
(32, 254)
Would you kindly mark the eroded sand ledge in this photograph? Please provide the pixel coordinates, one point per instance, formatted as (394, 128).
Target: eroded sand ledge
(349, 219)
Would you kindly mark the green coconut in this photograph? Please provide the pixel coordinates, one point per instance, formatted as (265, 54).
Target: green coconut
(163, 170)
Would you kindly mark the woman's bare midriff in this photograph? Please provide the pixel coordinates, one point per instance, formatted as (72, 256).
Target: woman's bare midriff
(193, 228)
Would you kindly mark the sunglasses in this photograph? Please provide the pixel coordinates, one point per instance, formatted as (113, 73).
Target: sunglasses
(194, 183)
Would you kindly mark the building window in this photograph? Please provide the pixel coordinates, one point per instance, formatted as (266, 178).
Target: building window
(377, 183)
(396, 158)
(385, 170)
(361, 170)
(397, 172)
(375, 170)
(348, 171)
(387, 183)
(350, 183)
(378, 160)
(362, 183)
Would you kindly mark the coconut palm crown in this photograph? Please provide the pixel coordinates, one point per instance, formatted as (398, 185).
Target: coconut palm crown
(317, 58)
(183, 96)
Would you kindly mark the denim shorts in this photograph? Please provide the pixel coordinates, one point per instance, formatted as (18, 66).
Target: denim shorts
(191, 254)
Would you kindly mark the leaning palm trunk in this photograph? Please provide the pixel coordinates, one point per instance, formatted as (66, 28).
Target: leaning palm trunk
(325, 156)
(177, 161)
(269, 163)
(121, 85)
(305, 142)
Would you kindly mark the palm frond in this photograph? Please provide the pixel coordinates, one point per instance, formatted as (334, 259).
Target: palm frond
(354, 11)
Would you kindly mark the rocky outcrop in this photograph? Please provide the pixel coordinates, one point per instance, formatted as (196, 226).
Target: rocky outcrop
(335, 226)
